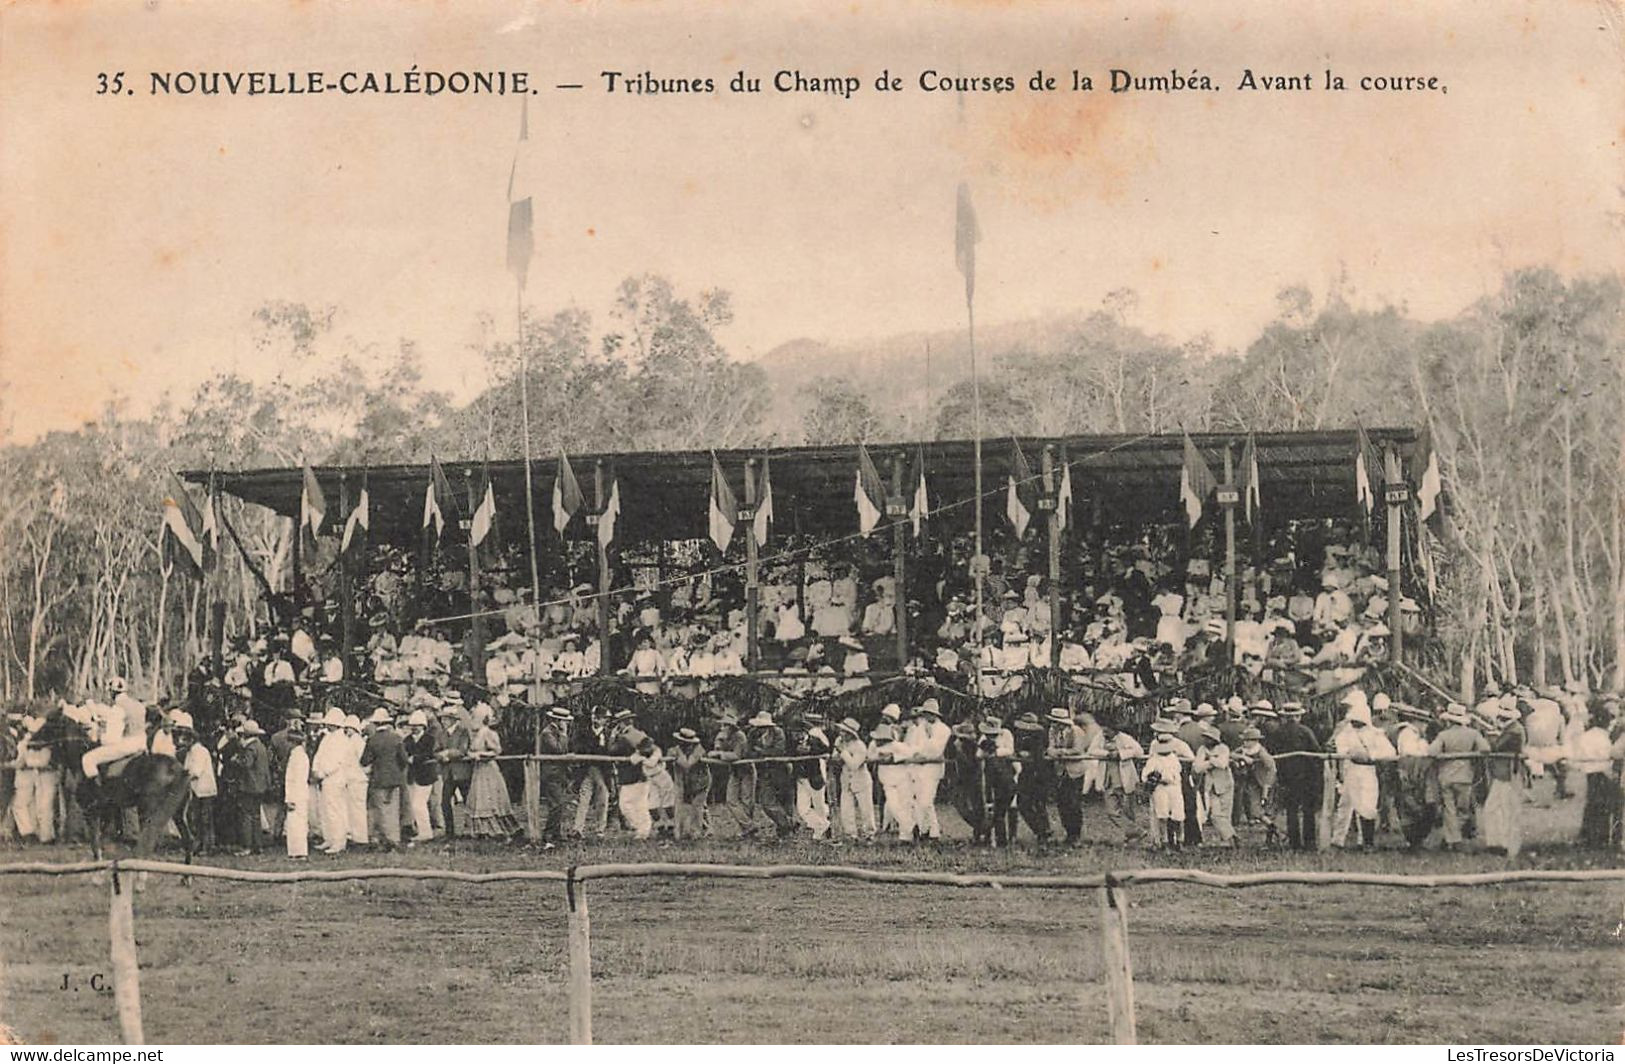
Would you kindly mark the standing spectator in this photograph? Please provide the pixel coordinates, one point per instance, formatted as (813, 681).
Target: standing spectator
(1212, 764)
(1121, 783)
(995, 772)
(38, 780)
(1300, 776)
(857, 804)
(890, 757)
(281, 746)
(253, 782)
(1591, 757)
(490, 812)
(1364, 747)
(928, 737)
(662, 790)
(632, 794)
(1162, 774)
(1068, 749)
(1036, 776)
(775, 784)
(354, 777)
(458, 770)
(693, 780)
(296, 792)
(1502, 830)
(1255, 779)
(328, 770)
(422, 772)
(199, 764)
(384, 756)
(738, 787)
(558, 794)
(812, 802)
(593, 779)
(1456, 773)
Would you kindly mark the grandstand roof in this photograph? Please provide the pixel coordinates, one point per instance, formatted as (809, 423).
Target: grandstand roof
(665, 494)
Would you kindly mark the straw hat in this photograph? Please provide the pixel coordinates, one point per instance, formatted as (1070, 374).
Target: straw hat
(762, 719)
(559, 713)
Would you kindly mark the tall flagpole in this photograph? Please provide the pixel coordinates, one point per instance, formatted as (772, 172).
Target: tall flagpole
(978, 566)
(524, 420)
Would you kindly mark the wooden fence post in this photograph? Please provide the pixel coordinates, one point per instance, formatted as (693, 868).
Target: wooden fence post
(533, 800)
(126, 966)
(1118, 969)
(575, 895)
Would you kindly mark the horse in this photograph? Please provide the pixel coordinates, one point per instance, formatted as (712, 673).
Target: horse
(155, 785)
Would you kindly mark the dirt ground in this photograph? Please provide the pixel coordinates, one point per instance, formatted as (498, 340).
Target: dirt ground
(819, 961)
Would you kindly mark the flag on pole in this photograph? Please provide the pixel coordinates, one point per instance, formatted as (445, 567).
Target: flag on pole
(437, 499)
(764, 508)
(1252, 501)
(1196, 482)
(1017, 505)
(920, 506)
(1367, 471)
(567, 499)
(1430, 485)
(869, 492)
(724, 508)
(209, 530)
(360, 517)
(521, 225)
(312, 503)
(485, 511)
(966, 236)
(612, 511)
(181, 521)
(1063, 495)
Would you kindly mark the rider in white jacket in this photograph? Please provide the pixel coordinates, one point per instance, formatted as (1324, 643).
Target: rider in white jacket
(124, 730)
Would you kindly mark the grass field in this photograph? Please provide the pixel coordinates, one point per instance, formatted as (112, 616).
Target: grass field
(821, 961)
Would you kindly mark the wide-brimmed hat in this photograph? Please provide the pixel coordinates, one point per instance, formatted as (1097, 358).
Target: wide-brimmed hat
(621, 714)
(559, 713)
(687, 735)
(849, 643)
(333, 718)
(848, 725)
(990, 726)
(1204, 712)
(250, 727)
(1209, 732)
(891, 711)
(1059, 715)
(1028, 722)
(883, 733)
(1292, 709)
(1251, 733)
(352, 722)
(762, 719)
(929, 707)
(1456, 713)
(1164, 727)
(379, 716)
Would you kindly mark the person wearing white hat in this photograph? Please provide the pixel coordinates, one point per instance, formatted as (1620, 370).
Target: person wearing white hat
(1502, 828)
(124, 734)
(928, 737)
(354, 776)
(890, 756)
(1163, 769)
(1300, 775)
(626, 741)
(775, 781)
(329, 773)
(1361, 746)
(558, 794)
(857, 800)
(1068, 749)
(1455, 772)
(296, 793)
(251, 760)
(422, 744)
(1212, 766)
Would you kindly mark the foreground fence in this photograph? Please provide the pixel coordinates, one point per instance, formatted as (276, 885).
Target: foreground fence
(1113, 888)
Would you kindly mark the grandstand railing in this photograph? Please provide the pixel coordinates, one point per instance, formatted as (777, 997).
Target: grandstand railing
(1118, 966)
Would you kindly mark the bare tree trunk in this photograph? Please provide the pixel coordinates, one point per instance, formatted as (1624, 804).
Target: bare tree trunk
(158, 634)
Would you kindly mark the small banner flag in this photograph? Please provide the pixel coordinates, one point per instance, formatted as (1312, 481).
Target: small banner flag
(437, 499)
(1063, 495)
(966, 236)
(869, 492)
(1367, 471)
(1196, 482)
(764, 508)
(312, 503)
(521, 223)
(612, 512)
(567, 499)
(921, 504)
(724, 508)
(1429, 485)
(485, 511)
(1017, 503)
(360, 517)
(181, 521)
(1251, 499)
(209, 530)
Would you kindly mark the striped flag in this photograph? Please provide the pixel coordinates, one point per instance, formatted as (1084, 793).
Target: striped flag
(181, 521)
(966, 236)
(209, 530)
(921, 504)
(869, 492)
(1367, 471)
(612, 512)
(1429, 485)
(1017, 501)
(1196, 482)
(360, 517)
(437, 499)
(485, 512)
(1063, 495)
(312, 503)
(724, 511)
(764, 508)
(567, 499)
(1252, 501)
(521, 224)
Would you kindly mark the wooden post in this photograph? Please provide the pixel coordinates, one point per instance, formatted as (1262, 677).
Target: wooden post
(899, 548)
(1229, 557)
(1119, 971)
(580, 992)
(753, 591)
(603, 572)
(126, 965)
(1396, 501)
(533, 791)
(1327, 814)
(476, 625)
(298, 571)
(1054, 567)
(346, 604)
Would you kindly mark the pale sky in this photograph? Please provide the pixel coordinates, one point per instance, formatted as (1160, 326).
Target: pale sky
(138, 233)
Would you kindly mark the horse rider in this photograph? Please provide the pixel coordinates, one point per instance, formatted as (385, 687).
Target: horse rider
(124, 731)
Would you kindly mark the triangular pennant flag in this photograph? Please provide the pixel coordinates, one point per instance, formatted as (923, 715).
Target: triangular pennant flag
(209, 530)
(1251, 499)
(1196, 482)
(181, 521)
(1063, 495)
(869, 492)
(1429, 485)
(437, 499)
(1367, 471)
(920, 506)
(724, 512)
(521, 224)
(360, 517)
(1017, 505)
(485, 512)
(966, 236)
(764, 508)
(567, 499)
(312, 503)
(612, 512)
